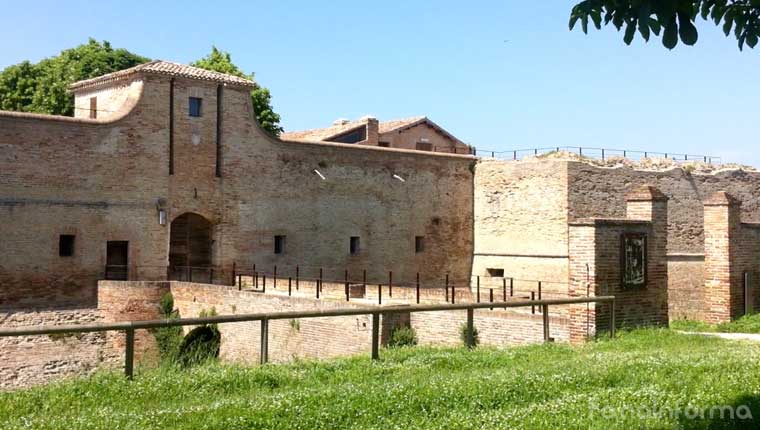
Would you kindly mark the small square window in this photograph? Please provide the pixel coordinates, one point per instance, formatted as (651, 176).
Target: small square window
(419, 244)
(354, 245)
(196, 104)
(495, 273)
(93, 107)
(384, 144)
(66, 245)
(279, 244)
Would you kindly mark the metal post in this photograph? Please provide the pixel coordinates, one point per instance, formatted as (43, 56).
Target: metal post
(478, 287)
(364, 280)
(379, 294)
(612, 319)
(375, 336)
(503, 289)
(453, 294)
(345, 285)
(447, 288)
(602, 154)
(539, 290)
(390, 284)
(298, 274)
(490, 296)
(514, 155)
(469, 337)
(545, 312)
(320, 279)
(290, 289)
(129, 354)
(511, 287)
(274, 278)
(316, 285)
(418, 287)
(264, 341)
(747, 295)
(532, 297)
(234, 272)
(264, 283)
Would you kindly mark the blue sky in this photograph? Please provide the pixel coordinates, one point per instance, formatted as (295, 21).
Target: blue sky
(498, 75)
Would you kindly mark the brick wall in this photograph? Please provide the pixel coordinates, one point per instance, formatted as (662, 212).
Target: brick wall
(32, 360)
(101, 180)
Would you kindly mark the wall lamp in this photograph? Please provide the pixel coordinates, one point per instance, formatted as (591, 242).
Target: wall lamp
(161, 208)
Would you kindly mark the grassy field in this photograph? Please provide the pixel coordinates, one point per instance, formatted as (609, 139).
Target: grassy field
(652, 379)
(745, 324)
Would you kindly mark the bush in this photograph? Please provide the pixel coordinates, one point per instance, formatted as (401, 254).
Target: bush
(200, 345)
(463, 334)
(402, 336)
(168, 338)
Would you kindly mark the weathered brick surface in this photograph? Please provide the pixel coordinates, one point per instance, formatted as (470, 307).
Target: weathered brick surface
(110, 188)
(32, 360)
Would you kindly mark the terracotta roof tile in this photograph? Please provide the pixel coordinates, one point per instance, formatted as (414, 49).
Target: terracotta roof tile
(167, 68)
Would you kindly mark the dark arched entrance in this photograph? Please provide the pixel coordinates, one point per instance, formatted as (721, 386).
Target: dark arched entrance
(190, 248)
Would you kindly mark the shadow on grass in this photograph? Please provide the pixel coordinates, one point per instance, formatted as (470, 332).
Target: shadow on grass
(742, 413)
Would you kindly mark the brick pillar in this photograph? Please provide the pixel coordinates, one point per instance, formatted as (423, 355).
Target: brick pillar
(723, 278)
(373, 132)
(582, 279)
(647, 203)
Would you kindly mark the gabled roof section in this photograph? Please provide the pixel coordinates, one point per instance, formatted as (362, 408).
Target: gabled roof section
(165, 68)
(319, 134)
(399, 125)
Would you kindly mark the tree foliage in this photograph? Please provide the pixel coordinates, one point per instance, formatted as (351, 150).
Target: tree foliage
(221, 61)
(673, 18)
(43, 87)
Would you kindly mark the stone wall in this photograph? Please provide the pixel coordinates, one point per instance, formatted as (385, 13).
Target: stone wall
(103, 180)
(32, 360)
(521, 222)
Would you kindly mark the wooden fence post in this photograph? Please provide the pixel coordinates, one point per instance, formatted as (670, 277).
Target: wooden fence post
(264, 341)
(129, 354)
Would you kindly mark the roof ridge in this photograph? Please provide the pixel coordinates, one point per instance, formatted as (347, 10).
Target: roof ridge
(166, 68)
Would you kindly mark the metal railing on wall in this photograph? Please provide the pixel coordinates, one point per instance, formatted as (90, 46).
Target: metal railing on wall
(600, 153)
(129, 327)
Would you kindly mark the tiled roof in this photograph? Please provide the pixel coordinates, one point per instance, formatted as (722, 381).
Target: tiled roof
(388, 126)
(318, 134)
(167, 68)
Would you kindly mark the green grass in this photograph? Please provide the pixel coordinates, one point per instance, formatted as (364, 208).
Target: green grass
(745, 324)
(531, 387)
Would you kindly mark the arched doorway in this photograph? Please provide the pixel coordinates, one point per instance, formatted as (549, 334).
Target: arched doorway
(190, 248)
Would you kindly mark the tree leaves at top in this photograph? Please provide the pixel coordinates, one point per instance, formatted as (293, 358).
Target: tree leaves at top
(675, 18)
(221, 61)
(43, 87)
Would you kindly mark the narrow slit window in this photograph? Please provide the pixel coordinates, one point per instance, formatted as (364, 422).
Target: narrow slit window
(495, 273)
(354, 245)
(419, 244)
(279, 244)
(66, 245)
(93, 107)
(196, 106)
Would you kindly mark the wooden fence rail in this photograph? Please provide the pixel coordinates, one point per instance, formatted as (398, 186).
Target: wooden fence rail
(129, 327)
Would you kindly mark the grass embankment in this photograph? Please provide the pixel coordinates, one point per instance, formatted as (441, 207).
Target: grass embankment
(745, 324)
(532, 387)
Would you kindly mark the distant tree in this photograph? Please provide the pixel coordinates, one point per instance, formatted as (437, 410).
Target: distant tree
(43, 87)
(675, 18)
(221, 61)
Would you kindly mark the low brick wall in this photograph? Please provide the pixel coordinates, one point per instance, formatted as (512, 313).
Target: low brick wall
(32, 360)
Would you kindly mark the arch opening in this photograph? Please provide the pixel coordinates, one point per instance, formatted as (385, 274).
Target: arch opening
(190, 248)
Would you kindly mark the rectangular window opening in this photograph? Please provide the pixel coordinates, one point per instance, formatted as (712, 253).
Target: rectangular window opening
(384, 144)
(196, 106)
(633, 256)
(66, 245)
(424, 146)
(279, 244)
(117, 260)
(93, 107)
(495, 273)
(354, 248)
(419, 244)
